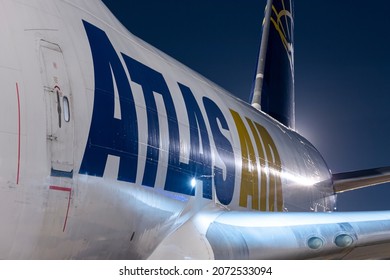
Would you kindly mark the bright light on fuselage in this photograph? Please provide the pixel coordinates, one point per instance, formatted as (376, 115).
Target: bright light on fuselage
(193, 182)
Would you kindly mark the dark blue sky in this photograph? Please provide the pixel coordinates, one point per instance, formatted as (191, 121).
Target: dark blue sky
(342, 68)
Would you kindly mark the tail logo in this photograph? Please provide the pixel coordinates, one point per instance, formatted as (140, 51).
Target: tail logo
(282, 20)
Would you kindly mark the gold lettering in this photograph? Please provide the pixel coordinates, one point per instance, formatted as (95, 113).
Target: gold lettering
(268, 196)
(274, 168)
(263, 175)
(249, 173)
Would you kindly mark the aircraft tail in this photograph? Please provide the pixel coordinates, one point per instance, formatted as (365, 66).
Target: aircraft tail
(273, 91)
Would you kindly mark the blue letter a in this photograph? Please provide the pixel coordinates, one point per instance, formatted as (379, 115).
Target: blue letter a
(109, 135)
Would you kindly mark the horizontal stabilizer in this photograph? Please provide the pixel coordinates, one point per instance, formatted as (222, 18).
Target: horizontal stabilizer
(360, 179)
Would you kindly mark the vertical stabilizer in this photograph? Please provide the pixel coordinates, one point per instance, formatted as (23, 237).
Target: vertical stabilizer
(274, 81)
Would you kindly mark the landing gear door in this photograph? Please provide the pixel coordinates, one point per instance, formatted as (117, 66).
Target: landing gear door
(58, 98)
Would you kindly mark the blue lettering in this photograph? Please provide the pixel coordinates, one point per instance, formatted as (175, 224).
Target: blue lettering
(181, 175)
(224, 186)
(108, 135)
(152, 81)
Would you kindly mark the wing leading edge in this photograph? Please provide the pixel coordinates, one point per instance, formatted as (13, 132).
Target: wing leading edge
(259, 235)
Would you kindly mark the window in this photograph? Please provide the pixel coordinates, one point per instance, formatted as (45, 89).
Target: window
(66, 108)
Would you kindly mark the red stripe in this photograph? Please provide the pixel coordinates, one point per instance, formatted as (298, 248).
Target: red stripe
(62, 189)
(67, 213)
(18, 168)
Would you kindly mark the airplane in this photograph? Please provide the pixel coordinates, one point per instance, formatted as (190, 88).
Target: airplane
(110, 149)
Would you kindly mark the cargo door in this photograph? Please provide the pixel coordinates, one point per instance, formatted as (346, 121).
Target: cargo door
(58, 98)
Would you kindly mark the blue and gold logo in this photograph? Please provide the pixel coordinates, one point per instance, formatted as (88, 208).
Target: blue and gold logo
(282, 20)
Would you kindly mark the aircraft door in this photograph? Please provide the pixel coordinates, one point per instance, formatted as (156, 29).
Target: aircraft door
(58, 98)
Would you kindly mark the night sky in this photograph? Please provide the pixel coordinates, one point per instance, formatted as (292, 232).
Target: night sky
(342, 68)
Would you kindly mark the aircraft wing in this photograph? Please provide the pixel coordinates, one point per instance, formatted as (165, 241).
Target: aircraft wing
(221, 234)
(360, 179)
